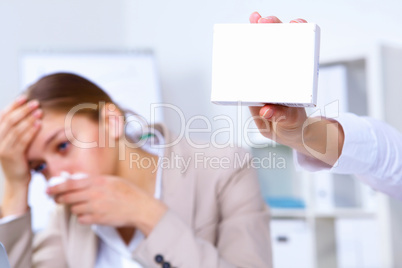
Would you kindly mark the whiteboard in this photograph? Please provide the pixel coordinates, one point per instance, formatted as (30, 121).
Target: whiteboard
(130, 78)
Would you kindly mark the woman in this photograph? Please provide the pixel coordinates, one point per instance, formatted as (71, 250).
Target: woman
(350, 144)
(124, 213)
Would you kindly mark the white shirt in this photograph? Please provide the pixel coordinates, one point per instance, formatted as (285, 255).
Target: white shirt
(372, 150)
(112, 251)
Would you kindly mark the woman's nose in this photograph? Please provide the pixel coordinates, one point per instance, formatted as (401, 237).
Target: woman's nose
(55, 168)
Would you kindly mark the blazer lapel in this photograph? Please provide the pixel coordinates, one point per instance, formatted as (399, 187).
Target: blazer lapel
(177, 189)
(82, 246)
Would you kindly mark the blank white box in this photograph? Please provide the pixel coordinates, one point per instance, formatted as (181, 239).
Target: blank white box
(254, 64)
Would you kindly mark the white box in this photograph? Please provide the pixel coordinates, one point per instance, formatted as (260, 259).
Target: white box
(265, 63)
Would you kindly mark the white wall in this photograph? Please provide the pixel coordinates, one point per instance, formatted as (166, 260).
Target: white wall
(46, 25)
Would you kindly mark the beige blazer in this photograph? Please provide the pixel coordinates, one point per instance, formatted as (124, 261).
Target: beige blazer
(216, 218)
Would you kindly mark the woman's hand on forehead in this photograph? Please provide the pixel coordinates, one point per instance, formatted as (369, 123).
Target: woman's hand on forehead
(19, 124)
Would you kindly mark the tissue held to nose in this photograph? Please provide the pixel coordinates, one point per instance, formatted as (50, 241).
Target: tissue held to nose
(64, 176)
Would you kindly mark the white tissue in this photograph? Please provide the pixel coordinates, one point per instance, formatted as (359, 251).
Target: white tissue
(64, 176)
(56, 180)
(78, 176)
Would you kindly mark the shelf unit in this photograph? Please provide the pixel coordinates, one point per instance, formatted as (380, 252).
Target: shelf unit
(338, 213)
(352, 201)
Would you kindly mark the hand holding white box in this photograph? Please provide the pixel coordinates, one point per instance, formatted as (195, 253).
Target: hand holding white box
(265, 63)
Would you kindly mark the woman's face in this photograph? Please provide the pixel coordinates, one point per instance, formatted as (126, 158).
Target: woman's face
(52, 152)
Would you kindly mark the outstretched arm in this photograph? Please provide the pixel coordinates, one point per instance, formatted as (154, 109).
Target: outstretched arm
(321, 138)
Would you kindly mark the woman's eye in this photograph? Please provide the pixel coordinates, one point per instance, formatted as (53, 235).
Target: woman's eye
(63, 146)
(40, 168)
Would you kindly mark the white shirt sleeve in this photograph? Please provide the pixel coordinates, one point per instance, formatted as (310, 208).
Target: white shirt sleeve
(372, 150)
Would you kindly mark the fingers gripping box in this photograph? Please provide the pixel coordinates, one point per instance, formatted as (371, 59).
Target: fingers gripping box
(254, 64)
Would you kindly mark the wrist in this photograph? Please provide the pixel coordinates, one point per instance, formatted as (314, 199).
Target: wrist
(15, 200)
(322, 139)
(151, 217)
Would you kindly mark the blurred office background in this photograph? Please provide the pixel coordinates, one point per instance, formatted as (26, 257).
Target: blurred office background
(318, 220)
